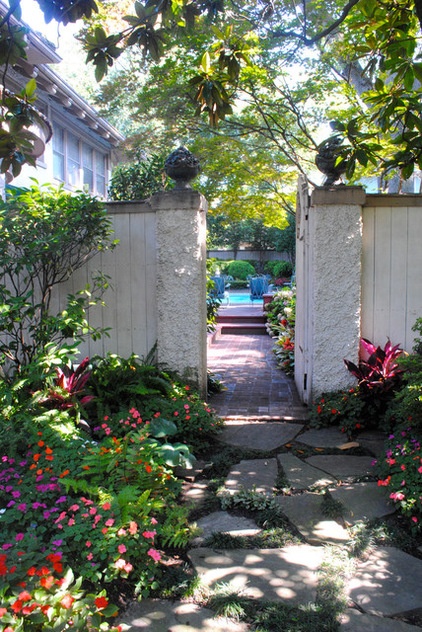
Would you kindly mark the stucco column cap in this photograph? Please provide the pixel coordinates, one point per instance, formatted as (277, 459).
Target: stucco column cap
(178, 199)
(338, 195)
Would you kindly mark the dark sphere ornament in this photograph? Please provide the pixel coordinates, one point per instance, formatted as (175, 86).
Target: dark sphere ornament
(326, 158)
(182, 166)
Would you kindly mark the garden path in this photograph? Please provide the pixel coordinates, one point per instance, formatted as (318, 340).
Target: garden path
(330, 491)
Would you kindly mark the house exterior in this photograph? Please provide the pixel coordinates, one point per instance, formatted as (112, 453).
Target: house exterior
(83, 148)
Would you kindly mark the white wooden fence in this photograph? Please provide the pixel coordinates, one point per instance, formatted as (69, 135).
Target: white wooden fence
(391, 268)
(131, 306)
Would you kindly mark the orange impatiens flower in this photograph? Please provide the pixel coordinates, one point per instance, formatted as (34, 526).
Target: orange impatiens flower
(47, 581)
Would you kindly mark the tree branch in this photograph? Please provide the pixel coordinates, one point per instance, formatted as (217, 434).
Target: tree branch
(309, 41)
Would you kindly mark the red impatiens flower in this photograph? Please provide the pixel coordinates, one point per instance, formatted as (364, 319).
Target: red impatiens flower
(101, 602)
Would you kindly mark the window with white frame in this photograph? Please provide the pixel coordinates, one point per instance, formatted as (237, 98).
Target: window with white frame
(77, 163)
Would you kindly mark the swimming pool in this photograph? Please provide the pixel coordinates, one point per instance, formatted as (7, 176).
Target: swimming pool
(238, 298)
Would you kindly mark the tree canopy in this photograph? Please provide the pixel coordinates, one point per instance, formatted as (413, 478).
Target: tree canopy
(264, 74)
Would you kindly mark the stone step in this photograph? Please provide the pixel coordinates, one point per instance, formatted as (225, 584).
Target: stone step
(243, 329)
(240, 318)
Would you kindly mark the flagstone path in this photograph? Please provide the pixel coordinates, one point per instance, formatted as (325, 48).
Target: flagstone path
(319, 471)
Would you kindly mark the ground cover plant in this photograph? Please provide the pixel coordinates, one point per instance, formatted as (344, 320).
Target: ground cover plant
(82, 512)
(281, 314)
(387, 397)
(119, 384)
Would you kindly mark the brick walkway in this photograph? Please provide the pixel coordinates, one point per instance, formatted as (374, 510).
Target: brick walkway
(256, 387)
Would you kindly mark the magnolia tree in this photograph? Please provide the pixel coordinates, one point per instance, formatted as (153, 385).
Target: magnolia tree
(236, 51)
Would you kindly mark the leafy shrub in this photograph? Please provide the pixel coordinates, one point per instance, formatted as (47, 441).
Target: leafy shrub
(37, 592)
(66, 390)
(118, 384)
(279, 269)
(213, 303)
(406, 407)
(46, 234)
(379, 378)
(378, 373)
(400, 471)
(197, 424)
(238, 285)
(139, 179)
(240, 269)
(281, 316)
(367, 405)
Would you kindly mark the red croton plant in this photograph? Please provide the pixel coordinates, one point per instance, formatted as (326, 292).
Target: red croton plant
(377, 369)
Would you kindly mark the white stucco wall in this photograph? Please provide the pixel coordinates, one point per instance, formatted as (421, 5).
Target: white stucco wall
(181, 283)
(334, 318)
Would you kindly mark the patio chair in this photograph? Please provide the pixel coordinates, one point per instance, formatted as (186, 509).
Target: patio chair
(258, 287)
(219, 290)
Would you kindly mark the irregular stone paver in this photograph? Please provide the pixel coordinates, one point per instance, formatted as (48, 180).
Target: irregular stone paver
(257, 474)
(260, 435)
(300, 475)
(196, 492)
(362, 501)
(223, 522)
(158, 615)
(289, 573)
(355, 621)
(343, 465)
(388, 583)
(374, 441)
(191, 473)
(305, 512)
(323, 437)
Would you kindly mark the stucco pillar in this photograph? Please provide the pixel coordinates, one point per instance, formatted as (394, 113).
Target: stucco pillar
(181, 283)
(335, 231)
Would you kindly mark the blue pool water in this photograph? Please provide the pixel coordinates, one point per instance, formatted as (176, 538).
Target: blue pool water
(241, 299)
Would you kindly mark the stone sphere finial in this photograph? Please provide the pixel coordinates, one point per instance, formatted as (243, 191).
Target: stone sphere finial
(182, 166)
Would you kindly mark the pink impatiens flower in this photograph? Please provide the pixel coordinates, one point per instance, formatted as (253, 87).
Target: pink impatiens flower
(149, 534)
(156, 555)
(397, 496)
